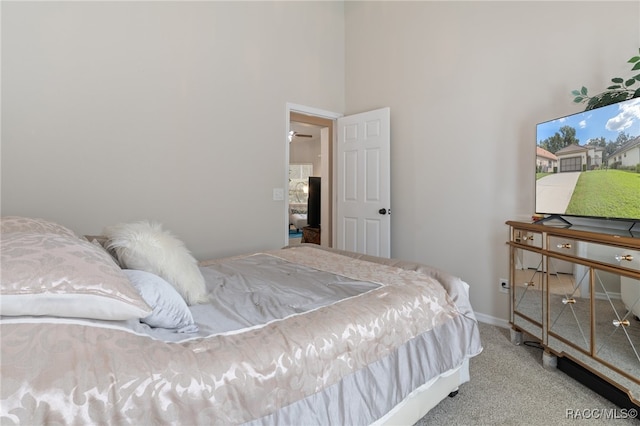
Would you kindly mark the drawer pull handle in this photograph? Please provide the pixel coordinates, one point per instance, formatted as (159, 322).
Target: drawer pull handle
(565, 245)
(621, 257)
(618, 323)
(526, 237)
(570, 301)
(529, 284)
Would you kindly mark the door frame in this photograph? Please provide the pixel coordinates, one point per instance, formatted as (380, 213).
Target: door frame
(311, 115)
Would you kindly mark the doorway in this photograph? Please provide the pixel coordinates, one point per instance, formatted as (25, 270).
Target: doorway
(369, 226)
(310, 151)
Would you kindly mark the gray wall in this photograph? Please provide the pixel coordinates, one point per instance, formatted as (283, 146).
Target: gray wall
(467, 82)
(175, 111)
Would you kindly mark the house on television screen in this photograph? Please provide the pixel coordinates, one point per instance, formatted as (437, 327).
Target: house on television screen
(628, 155)
(546, 161)
(576, 158)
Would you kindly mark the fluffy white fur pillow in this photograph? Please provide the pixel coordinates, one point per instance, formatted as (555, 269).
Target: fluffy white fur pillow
(146, 246)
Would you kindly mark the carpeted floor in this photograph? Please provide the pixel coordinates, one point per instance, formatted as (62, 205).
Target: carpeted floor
(509, 386)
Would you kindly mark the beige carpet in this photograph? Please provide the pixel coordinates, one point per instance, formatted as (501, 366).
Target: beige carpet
(509, 386)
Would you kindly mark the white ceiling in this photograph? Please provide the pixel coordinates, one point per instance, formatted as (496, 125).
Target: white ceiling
(306, 129)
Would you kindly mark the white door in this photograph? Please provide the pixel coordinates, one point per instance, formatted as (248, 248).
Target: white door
(363, 199)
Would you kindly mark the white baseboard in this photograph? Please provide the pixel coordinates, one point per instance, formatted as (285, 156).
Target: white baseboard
(488, 319)
(499, 322)
(611, 295)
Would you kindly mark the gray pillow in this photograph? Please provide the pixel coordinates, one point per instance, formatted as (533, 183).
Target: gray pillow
(170, 311)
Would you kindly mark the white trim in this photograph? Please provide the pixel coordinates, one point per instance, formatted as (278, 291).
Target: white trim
(492, 320)
(311, 111)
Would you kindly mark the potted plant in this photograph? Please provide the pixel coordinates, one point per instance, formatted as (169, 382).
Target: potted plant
(621, 89)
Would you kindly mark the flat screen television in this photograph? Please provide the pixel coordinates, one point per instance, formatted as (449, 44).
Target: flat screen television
(314, 201)
(588, 164)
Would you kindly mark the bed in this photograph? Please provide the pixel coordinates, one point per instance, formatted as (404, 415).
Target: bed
(298, 215)
(127, 328)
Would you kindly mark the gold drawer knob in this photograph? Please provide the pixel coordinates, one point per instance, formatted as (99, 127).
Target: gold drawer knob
(618, 323)
(565, 245)
(568, 300)
(621, 257)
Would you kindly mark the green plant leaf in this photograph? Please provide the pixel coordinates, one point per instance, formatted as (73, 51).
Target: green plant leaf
(593, 103)
(607, 98)
(617, 96)
(619, 91)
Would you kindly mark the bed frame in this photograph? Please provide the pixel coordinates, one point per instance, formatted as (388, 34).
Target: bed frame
(417, 404)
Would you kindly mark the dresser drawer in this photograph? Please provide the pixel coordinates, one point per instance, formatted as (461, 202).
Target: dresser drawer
(563, 245)
(529, 238)
(603, 253)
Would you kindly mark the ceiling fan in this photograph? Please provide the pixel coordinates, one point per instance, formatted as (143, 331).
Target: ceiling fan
(294, 134)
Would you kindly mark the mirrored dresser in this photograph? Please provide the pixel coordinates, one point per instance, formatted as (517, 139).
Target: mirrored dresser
(576, 290)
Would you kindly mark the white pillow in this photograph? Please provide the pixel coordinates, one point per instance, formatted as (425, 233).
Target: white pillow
(146, 246)
(63, 276)
(169, 309)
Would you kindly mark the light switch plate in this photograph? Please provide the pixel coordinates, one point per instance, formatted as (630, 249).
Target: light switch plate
(278, 194)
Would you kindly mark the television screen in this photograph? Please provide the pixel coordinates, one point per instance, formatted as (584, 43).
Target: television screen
(588, 164)
(313, 203)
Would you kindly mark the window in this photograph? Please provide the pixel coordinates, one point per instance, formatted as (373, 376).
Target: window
(299, 182)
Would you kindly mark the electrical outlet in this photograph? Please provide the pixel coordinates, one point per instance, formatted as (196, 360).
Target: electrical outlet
(504, 285)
